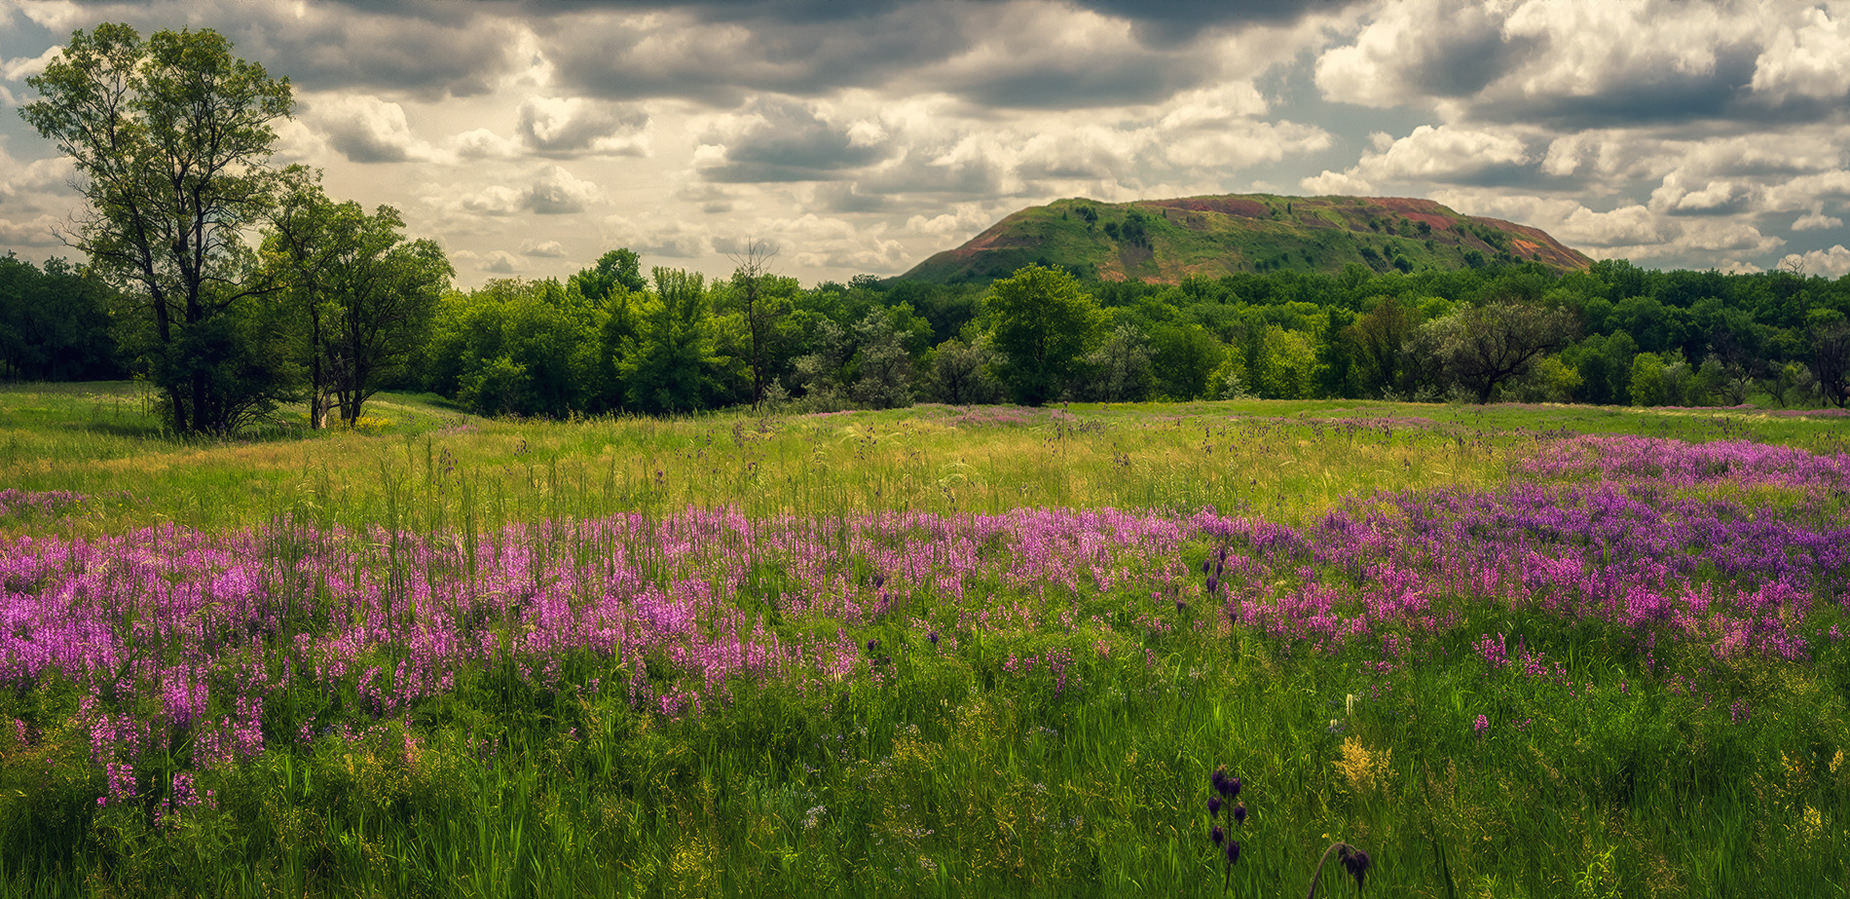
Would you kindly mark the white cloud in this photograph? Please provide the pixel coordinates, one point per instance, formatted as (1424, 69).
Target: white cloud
(1816, 220)
(1834, 262)
(481, 143)
(365, 128)
(27, 66)
(1811, 60)
(556, 192)
(1428, 155)
(542, 249)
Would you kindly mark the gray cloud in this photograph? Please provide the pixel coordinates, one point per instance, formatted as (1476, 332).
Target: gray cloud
(783, 140)
(567, 127)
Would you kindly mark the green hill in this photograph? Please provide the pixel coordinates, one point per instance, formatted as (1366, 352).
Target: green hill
(1167, 240)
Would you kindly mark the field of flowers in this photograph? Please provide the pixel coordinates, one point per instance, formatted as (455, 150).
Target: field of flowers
(858, 656)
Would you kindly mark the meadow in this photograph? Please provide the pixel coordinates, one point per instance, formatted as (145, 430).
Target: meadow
(1506, 650)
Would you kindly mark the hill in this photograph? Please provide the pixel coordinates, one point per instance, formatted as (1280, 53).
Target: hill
(1167, 240)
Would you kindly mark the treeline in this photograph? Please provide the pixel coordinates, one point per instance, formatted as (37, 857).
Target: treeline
(610, 340)
(56, 324)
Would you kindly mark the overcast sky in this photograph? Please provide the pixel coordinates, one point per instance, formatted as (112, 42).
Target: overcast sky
(529, 136)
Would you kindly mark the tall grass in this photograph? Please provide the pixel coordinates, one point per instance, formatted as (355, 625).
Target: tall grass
(867, 654)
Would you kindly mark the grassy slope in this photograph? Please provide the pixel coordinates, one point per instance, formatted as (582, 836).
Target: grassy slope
(1220, 235)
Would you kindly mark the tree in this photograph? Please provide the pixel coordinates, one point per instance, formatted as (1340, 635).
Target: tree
(366, 292)
(171, 139)
(1120, 367)
(1830, 353)
(667, 365)
(617, 271)
(748, 280)
(960, 373)
(1379, 338)
(1480, 347)
(1041, 325)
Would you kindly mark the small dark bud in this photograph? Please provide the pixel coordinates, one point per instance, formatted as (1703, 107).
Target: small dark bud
(934, 638)
(1213, 806)
(1213, 583)
(1233, 788)
(1219, 779)
(870, 646)
(1217, 835)
(1233, 851)
(1204, 566)
(1239, 813)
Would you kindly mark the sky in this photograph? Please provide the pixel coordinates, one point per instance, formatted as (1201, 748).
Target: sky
(530, 136)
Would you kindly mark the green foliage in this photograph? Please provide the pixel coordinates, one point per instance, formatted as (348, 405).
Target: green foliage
(670, 364)
(172, 138)
(56, 324)
(1042, 325)
(515, 347)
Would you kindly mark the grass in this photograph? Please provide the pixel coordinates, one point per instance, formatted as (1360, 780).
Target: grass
(1037, 715)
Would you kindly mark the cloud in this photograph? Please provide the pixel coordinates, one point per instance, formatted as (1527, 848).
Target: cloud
(366, 129)
(574, 126)
(1420, 49)
(481, 143)
(785, 140)
(39, 231)
(27, 66)
(1816, 220)
(556, 192)
(1581, 63)
(500, 262)
(673, 239)
(1445, 154)
(552, 191)
(415, 49)
(544, 249)
(1834, 262)
(1810, 61)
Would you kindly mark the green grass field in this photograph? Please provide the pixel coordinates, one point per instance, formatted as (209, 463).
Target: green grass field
(1508, 651)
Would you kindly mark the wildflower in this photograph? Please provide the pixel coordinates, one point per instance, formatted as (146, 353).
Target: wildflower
(1214, 804)
(1217, 835)
(933, 636)
(1233, 853)
(1482, 725)
(1239, 813)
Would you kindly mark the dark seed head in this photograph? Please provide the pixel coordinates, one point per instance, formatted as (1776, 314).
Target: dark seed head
(934, 638)
(1217, 835)
(1204, 566)
(1233, 851)
(870, 646)
(1213, 806)
(1357, 863)
(1219, 779)
(1239, 813)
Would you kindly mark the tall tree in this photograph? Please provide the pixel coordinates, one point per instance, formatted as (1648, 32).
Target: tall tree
(171, 138)
(749, 281)
(1042, 326)
(366, 292)
(384, 293)
(668, 365)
